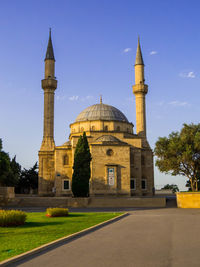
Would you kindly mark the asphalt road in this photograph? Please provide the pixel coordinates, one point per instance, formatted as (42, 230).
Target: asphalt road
(157, 238)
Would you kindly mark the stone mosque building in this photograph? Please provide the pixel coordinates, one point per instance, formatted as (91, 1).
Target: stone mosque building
(122, 160)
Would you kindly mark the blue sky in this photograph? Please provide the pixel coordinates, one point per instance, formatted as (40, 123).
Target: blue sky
(95, 44)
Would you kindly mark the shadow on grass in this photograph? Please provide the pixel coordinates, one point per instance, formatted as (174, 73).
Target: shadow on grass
(36, 224)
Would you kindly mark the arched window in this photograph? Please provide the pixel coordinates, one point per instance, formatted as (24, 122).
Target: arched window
(65, 160)
(106, 128)
(82, 129)
(118, 128)
(93, 128)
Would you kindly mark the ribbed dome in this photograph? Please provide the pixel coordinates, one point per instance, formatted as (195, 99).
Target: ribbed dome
(107, 138)
(101, 112)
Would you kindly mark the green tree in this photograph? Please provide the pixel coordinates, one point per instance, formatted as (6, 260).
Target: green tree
(28, 180)
(179, 154)
(172, 187)
(9, 169)
(81, 167)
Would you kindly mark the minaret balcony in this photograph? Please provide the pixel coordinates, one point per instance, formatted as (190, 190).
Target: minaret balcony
(49, 84)
(140, 88)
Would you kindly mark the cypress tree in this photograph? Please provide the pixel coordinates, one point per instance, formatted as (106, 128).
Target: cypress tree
(81, 167)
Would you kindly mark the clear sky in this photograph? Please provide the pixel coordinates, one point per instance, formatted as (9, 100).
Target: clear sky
(94, 45)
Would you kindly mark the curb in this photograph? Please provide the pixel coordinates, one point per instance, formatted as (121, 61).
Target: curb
(60, 241)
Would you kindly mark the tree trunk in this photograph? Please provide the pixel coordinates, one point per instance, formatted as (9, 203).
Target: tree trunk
(192, 185)
(196, 183)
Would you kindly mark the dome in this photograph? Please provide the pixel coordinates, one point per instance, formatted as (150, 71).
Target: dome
(107, 138)
(101, 112)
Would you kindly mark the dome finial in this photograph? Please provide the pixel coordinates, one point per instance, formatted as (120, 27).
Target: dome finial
(100, 99)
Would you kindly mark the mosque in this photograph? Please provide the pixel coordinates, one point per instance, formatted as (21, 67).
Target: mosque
(122, 160)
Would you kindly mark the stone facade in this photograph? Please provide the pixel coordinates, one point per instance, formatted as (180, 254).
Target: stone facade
(122, 161)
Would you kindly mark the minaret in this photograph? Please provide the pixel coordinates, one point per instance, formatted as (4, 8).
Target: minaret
(140, 89)
(49, 85)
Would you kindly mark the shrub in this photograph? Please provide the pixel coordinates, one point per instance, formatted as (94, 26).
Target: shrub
(56, 212)
(12, 217)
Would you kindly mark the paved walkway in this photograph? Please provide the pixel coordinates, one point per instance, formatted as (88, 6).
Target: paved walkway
(157, 238)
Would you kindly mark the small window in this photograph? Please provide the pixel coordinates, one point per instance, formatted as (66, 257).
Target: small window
(142, 160)
(93, 128)
(66, 185)
(132, 184)
(106, 128)
(82, 129)
(109, 152)
(144, 184)
(127, 130)
(118, 128)
(65, 160)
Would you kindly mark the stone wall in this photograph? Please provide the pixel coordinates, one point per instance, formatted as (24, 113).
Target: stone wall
(116, 202)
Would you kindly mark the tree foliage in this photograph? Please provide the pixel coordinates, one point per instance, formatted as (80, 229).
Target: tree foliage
(9, 169)
(81, 167)
(11, 174)
(179, 154)
(28, 180)
(172, 187)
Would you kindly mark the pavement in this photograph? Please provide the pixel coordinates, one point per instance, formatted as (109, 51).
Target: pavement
(152, 237)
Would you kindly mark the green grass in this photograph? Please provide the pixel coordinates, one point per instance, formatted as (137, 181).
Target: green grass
(40, 229)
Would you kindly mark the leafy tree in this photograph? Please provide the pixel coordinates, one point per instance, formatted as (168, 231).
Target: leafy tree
(28, 180)
(14, 175)
(81, 174)
(179, 154)
(172, 187)
(9, 169)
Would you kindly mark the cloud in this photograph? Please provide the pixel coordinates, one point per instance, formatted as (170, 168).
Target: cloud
(126, 50)
(78, 98)
(153, 53)
(60, 97)
(74, 98)
(178, 103)
(189, 74)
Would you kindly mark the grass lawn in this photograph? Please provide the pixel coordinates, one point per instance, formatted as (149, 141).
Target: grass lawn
(40, 229)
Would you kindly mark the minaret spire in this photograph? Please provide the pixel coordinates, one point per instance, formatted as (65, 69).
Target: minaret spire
(140, 89)
(50, 53)
(139, 58)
